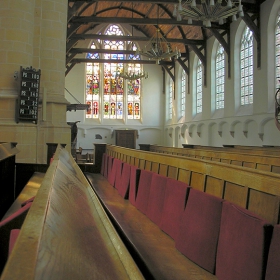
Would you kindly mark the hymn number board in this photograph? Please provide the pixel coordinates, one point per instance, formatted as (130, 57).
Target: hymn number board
(29, 94)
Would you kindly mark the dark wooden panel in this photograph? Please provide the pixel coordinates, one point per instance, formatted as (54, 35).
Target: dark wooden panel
(126, 138)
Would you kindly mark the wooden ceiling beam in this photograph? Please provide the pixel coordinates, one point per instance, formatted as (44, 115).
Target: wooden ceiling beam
(132, 38)
(138, 21)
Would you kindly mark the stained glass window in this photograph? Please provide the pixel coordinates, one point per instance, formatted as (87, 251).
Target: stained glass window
(93, 86)
(220, 77)
(111, 95)
(246, 63)
(199, 87)
(277, 52)
(133, 87)
(183, 93)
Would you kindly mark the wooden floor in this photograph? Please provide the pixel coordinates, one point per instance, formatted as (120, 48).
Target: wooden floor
(30, 190)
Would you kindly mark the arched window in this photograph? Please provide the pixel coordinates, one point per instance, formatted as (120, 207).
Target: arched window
(220, 77)
(183, 93)
(277, 53)
(199, 87)
(109, 95)
(169, 100)
(246, 63)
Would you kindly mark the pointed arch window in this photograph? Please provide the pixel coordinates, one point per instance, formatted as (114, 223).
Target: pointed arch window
(109, 95)
(93, 85)
(169, 100)
(183, 93)
(246, 63)
(220, 77)
(199, 87)
(277, 52)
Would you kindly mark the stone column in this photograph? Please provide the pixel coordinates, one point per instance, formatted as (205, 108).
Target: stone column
(51, 56)
(33, 33)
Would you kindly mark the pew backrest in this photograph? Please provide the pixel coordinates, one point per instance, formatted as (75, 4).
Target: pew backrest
(255, 190)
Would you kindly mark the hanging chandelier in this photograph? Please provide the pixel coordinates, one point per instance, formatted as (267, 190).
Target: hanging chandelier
(208, 11)
(132, 75)
(158, 48)
(129, 72)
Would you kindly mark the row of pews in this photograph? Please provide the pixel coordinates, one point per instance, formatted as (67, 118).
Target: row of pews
(120, 224)
(261, 158)
(161, 220)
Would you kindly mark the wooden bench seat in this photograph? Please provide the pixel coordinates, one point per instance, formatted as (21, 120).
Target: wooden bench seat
(67, 234)
(153, 250)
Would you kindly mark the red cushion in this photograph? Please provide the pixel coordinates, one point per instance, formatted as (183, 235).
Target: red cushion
(243, 244)
(117, 166)
(143, 191)
(18, 215)
(28, 200)
(103, 163)
(199, 229)
(173, 206)
(14, 221)
(123, 187)
(156, 198)
(106, 159)
(133, 184)
(273, 267)
(111, 170)
(13, 238)
(108, 166)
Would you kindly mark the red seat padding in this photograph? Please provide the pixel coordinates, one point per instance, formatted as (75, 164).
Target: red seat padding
(156, 198)
(143, 191)
(123, 187)
(243, 244)
(273, 263)
(117, 165)
(106, 163)
(199, 229)
(133, 184)
(13, 238)
(14, 221)
(173, 206)
(110, 161)
(103, 163)
(28, 201)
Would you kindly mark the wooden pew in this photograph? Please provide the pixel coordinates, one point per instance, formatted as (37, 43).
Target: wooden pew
(255, 190)
(266, 159)
(155, 250)
(66, 234)
(8, 153)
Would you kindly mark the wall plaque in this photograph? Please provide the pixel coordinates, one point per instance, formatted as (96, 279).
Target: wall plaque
(29, 94)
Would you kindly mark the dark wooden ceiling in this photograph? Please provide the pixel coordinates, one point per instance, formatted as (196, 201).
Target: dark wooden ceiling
(147, 16)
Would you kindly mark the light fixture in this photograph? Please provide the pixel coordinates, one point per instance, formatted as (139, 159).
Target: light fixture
(131, 75)
(129, 72)
(208, 11)
(158, 48)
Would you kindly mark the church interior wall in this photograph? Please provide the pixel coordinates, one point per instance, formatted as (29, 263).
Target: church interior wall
(252, 125)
